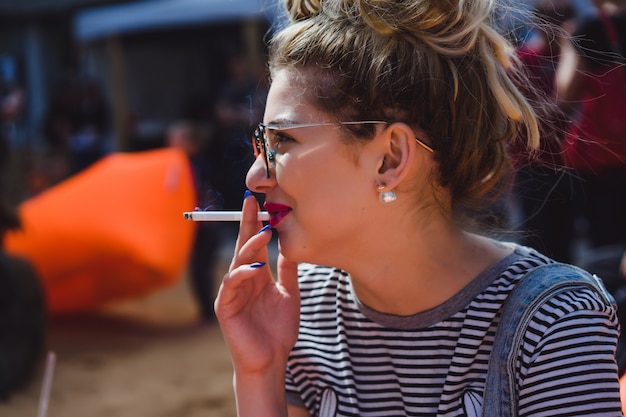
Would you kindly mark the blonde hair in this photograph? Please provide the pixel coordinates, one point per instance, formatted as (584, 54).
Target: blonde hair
(437, 65)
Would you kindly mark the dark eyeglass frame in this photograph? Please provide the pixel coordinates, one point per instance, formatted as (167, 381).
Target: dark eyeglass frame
(261, 146)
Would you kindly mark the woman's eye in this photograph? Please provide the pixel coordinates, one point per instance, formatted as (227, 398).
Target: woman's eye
(279, 141)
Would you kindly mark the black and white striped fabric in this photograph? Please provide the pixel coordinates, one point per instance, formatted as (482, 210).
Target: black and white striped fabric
(352, 361)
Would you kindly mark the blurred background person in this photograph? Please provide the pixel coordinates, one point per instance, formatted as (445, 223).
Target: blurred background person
(239, 104)
(545, 190)
(591, 87)
(76, 123)
(11, 109)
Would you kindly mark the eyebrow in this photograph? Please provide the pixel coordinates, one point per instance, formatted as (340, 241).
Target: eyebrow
(282, 121)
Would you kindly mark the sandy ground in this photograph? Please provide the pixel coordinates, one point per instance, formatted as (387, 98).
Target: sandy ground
(147, 357)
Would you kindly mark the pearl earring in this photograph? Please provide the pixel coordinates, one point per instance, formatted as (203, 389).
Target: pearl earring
(386, 197)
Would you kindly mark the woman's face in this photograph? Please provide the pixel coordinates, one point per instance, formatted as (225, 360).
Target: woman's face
(321, 190)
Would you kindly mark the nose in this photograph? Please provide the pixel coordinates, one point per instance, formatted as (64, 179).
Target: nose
(256, 179)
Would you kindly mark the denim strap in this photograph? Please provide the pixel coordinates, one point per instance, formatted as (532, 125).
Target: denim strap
(500, 397)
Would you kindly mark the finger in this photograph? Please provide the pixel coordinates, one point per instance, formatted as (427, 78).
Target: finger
(254, 249)
(250, 223)
(288, 275)
(236, 288)
(248, 228)
(241, 275)
(250, 220)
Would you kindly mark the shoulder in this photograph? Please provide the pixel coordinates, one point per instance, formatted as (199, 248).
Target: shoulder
(562, 321)
(578, 303)
(570, 284)
(562, 304)
(553, 289)
(545, 282)
(573, 335)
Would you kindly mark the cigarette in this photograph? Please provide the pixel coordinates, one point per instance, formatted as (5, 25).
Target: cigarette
(220, 216)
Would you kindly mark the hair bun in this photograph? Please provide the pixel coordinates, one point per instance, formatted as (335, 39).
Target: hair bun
(381, 15)
(303, 9)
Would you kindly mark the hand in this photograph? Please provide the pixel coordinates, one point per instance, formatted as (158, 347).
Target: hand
(259, 316)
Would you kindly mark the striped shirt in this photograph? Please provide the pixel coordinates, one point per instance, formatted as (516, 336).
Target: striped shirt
(350, 360)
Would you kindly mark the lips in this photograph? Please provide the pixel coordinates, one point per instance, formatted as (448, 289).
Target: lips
(277, 212)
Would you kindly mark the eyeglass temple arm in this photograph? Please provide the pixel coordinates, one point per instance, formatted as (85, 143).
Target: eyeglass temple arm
(424, 145)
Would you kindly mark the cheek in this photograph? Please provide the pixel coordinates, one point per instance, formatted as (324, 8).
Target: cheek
(300, 178)
(326, 182)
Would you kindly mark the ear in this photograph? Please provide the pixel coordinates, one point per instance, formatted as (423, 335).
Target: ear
(400, 150)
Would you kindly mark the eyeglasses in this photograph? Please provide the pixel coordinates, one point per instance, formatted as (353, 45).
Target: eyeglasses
(262, 144)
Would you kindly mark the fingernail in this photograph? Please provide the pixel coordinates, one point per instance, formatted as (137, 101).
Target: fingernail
(264, 228)
(257, 264)
(247, 194)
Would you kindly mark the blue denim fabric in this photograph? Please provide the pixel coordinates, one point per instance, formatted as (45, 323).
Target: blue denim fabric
(500, 397)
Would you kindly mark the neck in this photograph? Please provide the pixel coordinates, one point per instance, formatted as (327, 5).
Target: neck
(418, 271)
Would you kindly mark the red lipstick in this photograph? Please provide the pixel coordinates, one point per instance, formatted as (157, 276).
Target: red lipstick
(277, 212)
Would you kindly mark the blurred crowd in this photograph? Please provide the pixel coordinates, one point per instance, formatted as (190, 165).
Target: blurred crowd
(568, 200)
(571, 195)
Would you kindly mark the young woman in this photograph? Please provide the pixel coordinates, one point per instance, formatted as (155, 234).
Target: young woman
(386, 124)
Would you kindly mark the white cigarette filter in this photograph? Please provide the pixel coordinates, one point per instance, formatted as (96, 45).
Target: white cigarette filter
(220, 216)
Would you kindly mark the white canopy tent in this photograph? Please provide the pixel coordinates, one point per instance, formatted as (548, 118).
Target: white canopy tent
(101, 22)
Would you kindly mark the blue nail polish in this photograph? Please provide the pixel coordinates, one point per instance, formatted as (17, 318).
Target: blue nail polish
(263, 229)
(247, 194)
(257, 264)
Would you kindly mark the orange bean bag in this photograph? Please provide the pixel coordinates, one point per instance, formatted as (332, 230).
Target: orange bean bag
(112, 232)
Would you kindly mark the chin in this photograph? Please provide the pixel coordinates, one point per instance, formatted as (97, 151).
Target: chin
(289, 251)
(295, 250)
(311, 246)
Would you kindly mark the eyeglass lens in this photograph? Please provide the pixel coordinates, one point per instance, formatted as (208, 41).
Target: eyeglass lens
(259, 143)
